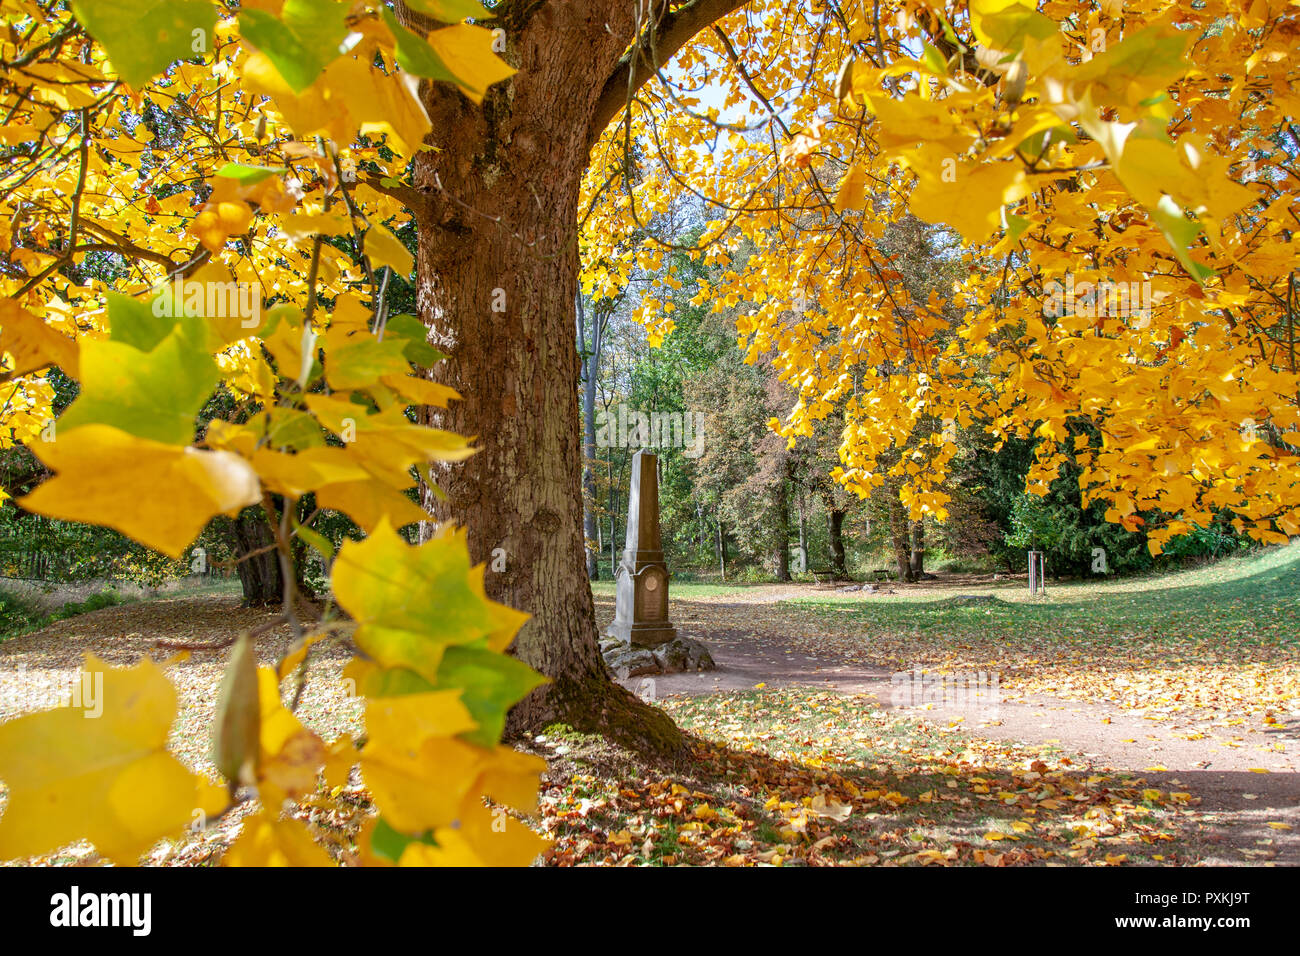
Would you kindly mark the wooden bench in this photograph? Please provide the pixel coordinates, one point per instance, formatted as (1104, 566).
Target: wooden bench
(882, 574)
(819, 573)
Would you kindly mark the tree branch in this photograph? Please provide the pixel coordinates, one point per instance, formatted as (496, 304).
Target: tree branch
(671, 33)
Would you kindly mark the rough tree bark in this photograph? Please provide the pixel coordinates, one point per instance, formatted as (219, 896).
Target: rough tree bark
(898, 534)
(722, 549)
(781, 546)
(803, 532)
(257, 562)
(835, 527)
(497, 225)
(590, 362)
(918, 549)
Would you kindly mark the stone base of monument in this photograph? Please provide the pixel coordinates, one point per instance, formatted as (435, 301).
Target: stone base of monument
(641, 634)
(679, 655)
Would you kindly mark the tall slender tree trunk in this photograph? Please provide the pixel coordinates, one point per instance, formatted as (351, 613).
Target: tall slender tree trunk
(917, 562)
(722, 549)
(835, 526)
(613, 515)
(591, 365)
(497, 272)
(898, 536)
(803, 532)
(781, 548)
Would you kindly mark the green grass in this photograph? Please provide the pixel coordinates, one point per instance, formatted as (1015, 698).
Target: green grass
(686, 591)
(1254, 599)
(20, 615)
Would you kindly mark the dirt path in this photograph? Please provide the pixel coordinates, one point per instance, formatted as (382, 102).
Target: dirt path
(1244, 783)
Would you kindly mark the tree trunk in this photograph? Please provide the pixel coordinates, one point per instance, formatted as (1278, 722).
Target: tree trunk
(590, 366)
(803, 533)
(257, 561)
(613, 515)
(917, 562)
(835, 525)
(898, 536)
(497, 273)
(781, 551)
(722, 549)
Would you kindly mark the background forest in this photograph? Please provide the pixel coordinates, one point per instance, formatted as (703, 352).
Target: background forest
(737, 503)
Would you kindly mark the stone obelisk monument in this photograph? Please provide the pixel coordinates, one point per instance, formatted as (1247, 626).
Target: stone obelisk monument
(641, 581)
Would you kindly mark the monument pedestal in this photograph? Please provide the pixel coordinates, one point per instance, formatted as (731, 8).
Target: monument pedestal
(641, 581)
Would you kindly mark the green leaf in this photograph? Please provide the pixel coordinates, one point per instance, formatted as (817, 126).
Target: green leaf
(141, 325)
(415, 340)
(409, 602)
(144, 37)
(363, 360)
(293, 429)
(281, 312)
(394, 682)
(315, 540)
(1180, 232)
(249, 175)
(389, 844)
(491, 684)
(933, 59)
(1015, 225)
(154, 394)
(302, 41)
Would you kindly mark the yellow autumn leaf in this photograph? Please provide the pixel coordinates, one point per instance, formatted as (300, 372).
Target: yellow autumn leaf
(302, 226)
(370, 504)
(830, 810)
(420, 391)
(385, 249)
(297, 474)
(484, 837)
(853, 190)
(160, 495)
(100, 771)
(32, 344)
(340, 757)
(466, 51)
(267, 841)
(291, 754)
(417, 774)
(410, 603)
(970, 199)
